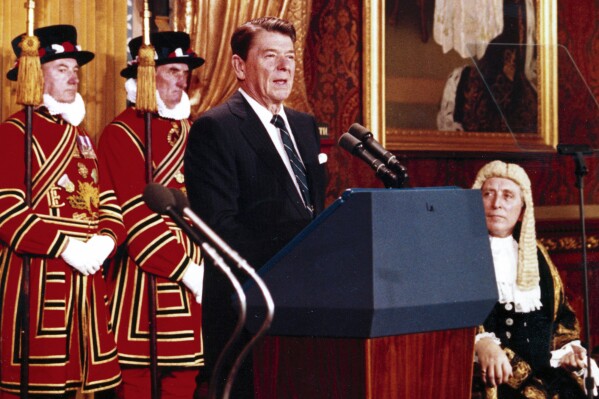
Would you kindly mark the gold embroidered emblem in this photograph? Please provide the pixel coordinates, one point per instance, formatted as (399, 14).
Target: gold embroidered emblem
(95, 175)
(82, 169)
(173, 135)
(179, 177)
(86, 197)
(54, 198)
(81, 216)
(66, 183)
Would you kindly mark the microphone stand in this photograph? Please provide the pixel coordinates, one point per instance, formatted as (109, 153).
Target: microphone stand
(243, 265)
(242, 310)
(581, 170)
(242, 305)
(162, 201)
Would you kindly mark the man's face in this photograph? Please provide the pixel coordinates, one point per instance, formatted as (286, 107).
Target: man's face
(267, 73)
(171, 82)
(502, 199)
(61, 80)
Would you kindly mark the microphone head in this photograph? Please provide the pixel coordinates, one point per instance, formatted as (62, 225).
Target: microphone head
(181, 201)
(158, 198)
(348, 142)
(359, 132)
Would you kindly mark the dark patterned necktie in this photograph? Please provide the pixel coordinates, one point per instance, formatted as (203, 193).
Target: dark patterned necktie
(296, 164)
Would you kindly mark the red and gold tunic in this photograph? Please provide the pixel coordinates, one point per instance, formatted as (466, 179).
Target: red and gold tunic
(71, 344)
(154, 245)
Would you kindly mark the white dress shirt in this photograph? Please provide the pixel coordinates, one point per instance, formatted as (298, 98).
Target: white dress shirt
(265, 117)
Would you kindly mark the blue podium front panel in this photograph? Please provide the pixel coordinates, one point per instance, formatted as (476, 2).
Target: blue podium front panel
(383, 262)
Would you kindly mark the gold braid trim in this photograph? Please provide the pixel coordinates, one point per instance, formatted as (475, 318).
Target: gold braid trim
(558, 288)
(520, 369)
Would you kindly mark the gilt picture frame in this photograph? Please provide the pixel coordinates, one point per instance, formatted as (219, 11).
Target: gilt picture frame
(545, 139)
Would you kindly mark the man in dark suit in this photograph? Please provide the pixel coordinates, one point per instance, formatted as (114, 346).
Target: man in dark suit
(252, 169)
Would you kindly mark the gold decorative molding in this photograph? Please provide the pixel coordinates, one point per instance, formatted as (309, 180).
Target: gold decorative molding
(565, 212)
(548, 77)
(373, 62)
(570, 243)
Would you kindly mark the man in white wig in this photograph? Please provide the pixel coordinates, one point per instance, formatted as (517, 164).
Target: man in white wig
(528, 347)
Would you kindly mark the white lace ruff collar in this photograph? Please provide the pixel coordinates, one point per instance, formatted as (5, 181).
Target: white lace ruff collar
(73, 112)
(505, 260)
(180, 112)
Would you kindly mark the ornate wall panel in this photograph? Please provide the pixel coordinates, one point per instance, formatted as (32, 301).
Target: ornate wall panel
(333, 78)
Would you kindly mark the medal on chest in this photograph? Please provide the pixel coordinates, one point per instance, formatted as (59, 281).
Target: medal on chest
(174, 134)
(84, 145)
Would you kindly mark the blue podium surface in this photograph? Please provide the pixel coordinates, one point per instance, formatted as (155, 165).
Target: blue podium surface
(383, 262)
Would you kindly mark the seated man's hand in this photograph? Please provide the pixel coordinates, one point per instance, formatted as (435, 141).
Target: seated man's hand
(495, 366)
(575, 360)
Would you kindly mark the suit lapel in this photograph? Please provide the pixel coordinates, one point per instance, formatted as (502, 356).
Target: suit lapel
(255, 133)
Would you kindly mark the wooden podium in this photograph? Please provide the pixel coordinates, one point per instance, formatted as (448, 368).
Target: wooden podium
(377, 298)
(413, 366)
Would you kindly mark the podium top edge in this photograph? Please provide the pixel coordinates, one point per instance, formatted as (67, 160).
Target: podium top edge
(357, 190)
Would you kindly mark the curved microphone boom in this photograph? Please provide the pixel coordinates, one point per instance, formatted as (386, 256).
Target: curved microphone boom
(242, 264)
(162, 201)
(355, 147)
(367, 138)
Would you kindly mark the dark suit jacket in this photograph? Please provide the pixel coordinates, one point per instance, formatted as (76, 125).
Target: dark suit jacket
(239, 185)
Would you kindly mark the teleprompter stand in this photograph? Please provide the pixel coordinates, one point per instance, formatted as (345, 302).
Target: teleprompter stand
(578, 152)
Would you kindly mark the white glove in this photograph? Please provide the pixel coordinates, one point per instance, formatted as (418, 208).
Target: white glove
(76, 254)
(99, 247)
(193, 279)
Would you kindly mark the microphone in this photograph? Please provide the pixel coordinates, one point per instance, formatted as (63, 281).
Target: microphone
(162, 201)
(367, 138)
(182, 204)
(355, 147)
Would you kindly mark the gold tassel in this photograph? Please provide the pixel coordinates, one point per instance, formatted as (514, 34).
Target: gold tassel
(146, 80)
(30, 80)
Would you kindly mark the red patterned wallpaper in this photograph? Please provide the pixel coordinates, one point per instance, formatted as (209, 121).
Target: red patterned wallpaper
(578, 33)
(333, 78)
